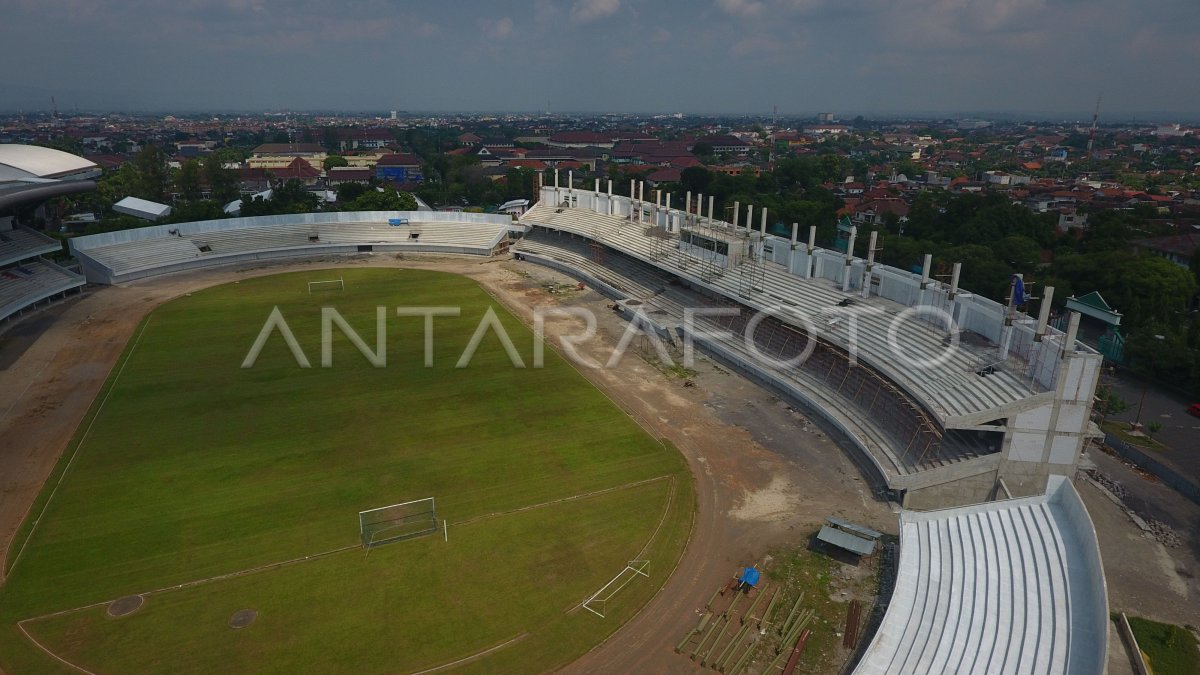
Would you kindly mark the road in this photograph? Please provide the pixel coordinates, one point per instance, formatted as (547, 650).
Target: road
(1180, 432)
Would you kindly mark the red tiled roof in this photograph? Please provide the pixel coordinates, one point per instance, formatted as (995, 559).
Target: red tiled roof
(665, 175)
(399, 160)
(580, 137)
(536, 164)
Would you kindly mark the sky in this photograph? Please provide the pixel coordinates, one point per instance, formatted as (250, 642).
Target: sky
(1050, 57)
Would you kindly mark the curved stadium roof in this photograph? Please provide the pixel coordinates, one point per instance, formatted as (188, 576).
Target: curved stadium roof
(37, 162)
(32, 173)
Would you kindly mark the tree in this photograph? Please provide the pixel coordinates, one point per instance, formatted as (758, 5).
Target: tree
(386, 199)
(222, 182)
(187, 180)
(331, 141)
(348, 192)
(695, 179)
(149, 173)
(335, 160)
(702, 149)
(202, 209)
(290, 197)
(1108, 402)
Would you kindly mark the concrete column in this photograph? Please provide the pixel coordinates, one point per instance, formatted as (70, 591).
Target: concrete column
(669, 219)
(849, 258)
(1044, 313)
(610, 198)
(1072, 332)
(736, 208)
(749, 218)
(762, 228)
(596, 197)
(571, 186)
(866, 286)
(710, 209)
(812, 246)
(633, 200)
(795, 233)
(925, 267)
(687, 205)
(954, 311)
(556, 179)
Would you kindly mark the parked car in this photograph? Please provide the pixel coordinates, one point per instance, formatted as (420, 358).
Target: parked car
(1194, 409)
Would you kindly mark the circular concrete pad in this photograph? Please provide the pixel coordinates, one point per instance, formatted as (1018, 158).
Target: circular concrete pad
(242, 618)
(126, 605)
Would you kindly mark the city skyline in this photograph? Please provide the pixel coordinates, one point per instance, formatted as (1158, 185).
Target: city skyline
(595, 56)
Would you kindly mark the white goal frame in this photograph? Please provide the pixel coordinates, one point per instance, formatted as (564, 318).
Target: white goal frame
(397, 522)
(341, 285)
(597, 604)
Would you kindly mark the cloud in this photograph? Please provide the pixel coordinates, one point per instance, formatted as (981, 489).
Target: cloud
(585, 11)
(498, 29)
(741, 7)
(660, 35)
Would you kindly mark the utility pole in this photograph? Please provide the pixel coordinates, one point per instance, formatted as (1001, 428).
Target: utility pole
(1092, 133)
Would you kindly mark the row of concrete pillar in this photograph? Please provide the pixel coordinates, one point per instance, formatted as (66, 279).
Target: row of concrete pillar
(637, 189)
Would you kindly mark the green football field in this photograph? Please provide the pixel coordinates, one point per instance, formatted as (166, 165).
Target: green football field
(210, 488)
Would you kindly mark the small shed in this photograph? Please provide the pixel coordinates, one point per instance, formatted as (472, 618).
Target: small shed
(849, 537)
(142, 208)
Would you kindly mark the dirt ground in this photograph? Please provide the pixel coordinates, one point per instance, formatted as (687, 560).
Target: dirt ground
(1146, 578)
(766, 476)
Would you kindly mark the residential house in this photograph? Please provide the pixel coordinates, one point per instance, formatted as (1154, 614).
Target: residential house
(399, 168)
(1178, 248)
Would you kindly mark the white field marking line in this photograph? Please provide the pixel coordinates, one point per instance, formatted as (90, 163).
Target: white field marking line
(56, 657)
(661, 520)
(653, 535)
(201, 582)
(67, 469)
(585, 495)
(474, 656)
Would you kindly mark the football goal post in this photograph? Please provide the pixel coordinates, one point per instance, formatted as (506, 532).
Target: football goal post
(387, 524)
(598, 603)
(327, 285)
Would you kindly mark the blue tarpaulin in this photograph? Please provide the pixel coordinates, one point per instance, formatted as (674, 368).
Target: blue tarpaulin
(749, 576)
(1018, 290)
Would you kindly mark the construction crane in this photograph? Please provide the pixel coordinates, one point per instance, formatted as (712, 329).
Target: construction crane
(53, 107)
(1092, 133)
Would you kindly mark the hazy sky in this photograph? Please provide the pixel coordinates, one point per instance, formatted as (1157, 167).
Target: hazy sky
(803, 56)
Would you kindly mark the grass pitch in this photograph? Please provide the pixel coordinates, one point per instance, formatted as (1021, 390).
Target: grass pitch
(195, 478)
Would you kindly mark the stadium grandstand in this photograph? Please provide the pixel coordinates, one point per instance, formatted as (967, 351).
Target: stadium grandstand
(1013, 586)
(30, 175)
(115, 257)
(972, 414)
(944, 413)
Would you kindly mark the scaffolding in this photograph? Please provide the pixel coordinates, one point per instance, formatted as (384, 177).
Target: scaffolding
(707, 260)
(752, 271)
(660, 241)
